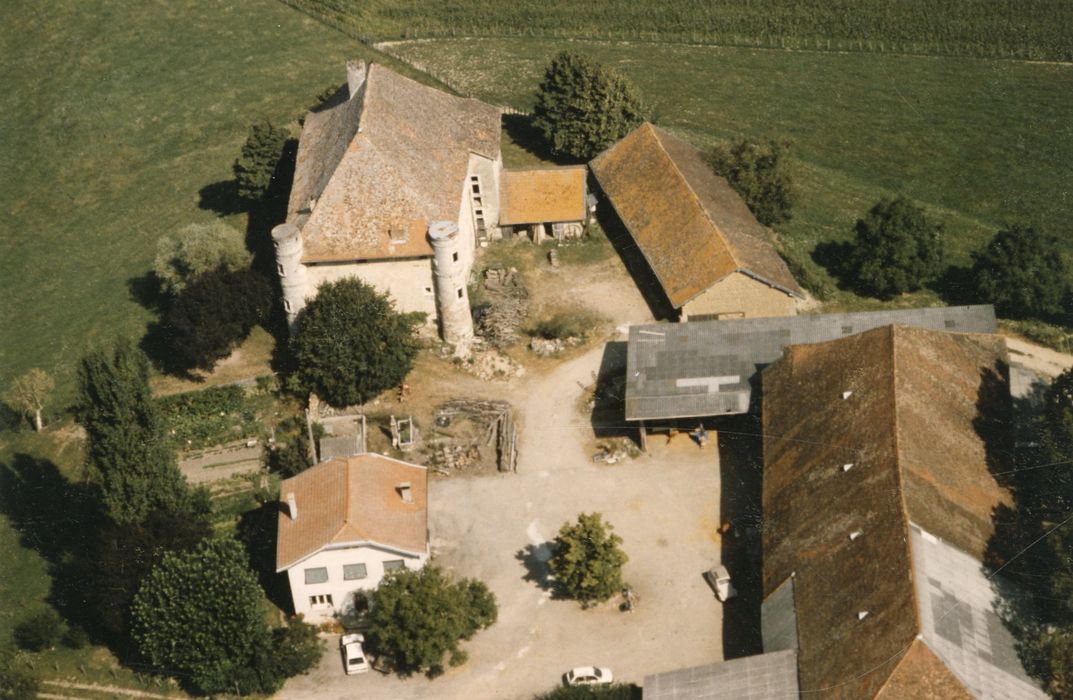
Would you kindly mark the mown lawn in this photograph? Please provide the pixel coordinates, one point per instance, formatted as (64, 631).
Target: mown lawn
(978, 142)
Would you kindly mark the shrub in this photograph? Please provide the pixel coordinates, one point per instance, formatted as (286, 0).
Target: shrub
(1024, 274)
(76, 638)
(566, 324)
(40, 631)
(582, 107)
(296, 648)
(897, 250)
(195, 250)
(255, 168)
(757, 171)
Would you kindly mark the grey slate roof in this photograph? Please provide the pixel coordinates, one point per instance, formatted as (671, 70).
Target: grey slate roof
(778, 618)
(763, 677)
(707, 368)
(959, 624)
(334, 446)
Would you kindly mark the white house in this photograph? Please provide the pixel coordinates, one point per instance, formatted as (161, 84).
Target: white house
(344, 524)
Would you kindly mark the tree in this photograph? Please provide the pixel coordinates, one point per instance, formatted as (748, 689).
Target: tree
(351, 344)
(256, 167)
(195, 250)
(1024, 273)
(418, 617)
(214, 313)
(29, 392)
(296, 648)
(1053, 489)
(617, 691)
(18, 681)
(757, 171)
(587, 559)
(201, 614)
(40, 631)
(897, 250)
(582, 107)
(127, 455)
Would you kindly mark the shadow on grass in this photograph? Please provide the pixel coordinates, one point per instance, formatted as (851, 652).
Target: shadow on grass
(11, 418)
(257, 532)
(222, 198)
(521, 131)
(833, 256)
(146, 291)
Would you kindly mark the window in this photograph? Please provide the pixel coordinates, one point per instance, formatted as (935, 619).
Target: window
(353, 572)
(287, 305)
(454, 256)
(846, 330)
(428, 291)
(459, 292)
(320, 601)
(279, 267)
(317, 575)
(950, 323)
(394, 565)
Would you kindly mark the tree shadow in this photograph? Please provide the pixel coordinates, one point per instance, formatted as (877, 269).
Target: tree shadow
(643, 276)
(834, 257)
(257, 532)
(12, 418)
(608, 417)
(158, 346)
(146, 291)
(740, 505)
(534, 557)
(222, 198)
(522, 133)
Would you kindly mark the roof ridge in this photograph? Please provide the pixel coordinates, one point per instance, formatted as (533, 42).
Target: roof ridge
(696, 199)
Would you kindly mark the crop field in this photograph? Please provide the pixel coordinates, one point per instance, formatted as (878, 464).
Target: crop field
(1036, 29)
(978, 142)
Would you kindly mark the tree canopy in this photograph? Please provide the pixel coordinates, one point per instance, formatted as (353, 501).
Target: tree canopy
(29, 392)
(128, 457)
(351, 344)
(214, 313)
(757, 171)
(418, 617)
(898, 249)
(1023, 272)
(256, 166)
(582, 107)
(200, 614)
(587, 559)
(195, 250)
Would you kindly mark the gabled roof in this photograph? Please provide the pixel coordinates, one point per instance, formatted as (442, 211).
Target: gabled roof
(542, 195)
(383, 163)
(770, 676)
(919, 416)
(353, 500)
(691, 227)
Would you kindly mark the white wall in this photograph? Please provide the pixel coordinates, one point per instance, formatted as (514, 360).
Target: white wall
(405, 280)
(372, 556)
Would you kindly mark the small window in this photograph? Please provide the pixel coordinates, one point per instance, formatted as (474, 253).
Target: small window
(454, 256)
(476, 188)
(459, 292)
(320, 601)
(428, 291)
(950, 323)
(353, 572)
(846, 330)
(317, 575)
(287, 305)
(279, 267)
(394, 565)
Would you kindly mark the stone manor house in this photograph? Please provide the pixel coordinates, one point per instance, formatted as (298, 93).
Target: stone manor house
(397, 183)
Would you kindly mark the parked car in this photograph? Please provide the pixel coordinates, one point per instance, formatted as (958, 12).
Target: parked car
(719, 579)
(354, 659)
(588, 675)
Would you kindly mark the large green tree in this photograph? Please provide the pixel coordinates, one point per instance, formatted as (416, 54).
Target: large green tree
(127, 454)
(587, 559)
(255, 168)
(582, 107)
(200, 615)
(1024, 273)
(757, 171)
(351, 344)
(898, 249)
(195, 250)
(213, 314)
(417, 618)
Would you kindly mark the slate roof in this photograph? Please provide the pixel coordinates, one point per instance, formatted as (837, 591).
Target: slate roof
(708, 368)
(353, 500)
(384, 163)
(542, 195)
(920, 416)
(763, 677)
(691, 227)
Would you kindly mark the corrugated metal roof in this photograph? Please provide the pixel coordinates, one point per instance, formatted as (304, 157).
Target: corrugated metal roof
(763, 677)
(707, 368)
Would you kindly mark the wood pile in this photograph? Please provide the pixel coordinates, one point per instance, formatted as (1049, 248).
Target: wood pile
(505, 309)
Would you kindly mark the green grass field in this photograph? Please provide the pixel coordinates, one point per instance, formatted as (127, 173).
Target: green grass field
(978, 142)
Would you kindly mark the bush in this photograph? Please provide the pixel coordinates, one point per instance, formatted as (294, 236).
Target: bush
(291, 459)
(195, 250)
(897, 250)
(566, 324)
(1024, 274)
(757, 171)
(617, 691)
(582, 107)
(587, 559)
(40, 631)
(255, 168)
(351, 343)
(213, 314)
(296, 648)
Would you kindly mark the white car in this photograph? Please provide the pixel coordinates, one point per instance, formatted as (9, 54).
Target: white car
(718, 579)
(588, 675)
(354, 660)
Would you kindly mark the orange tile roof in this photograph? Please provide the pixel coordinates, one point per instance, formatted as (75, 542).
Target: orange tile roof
(543, 195)
(349, 500)
(691, 227)
(393, 157)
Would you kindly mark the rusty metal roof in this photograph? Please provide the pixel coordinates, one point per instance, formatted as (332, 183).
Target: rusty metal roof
(383, 163)
(542, 195)
(690, 225)
(353, 500)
